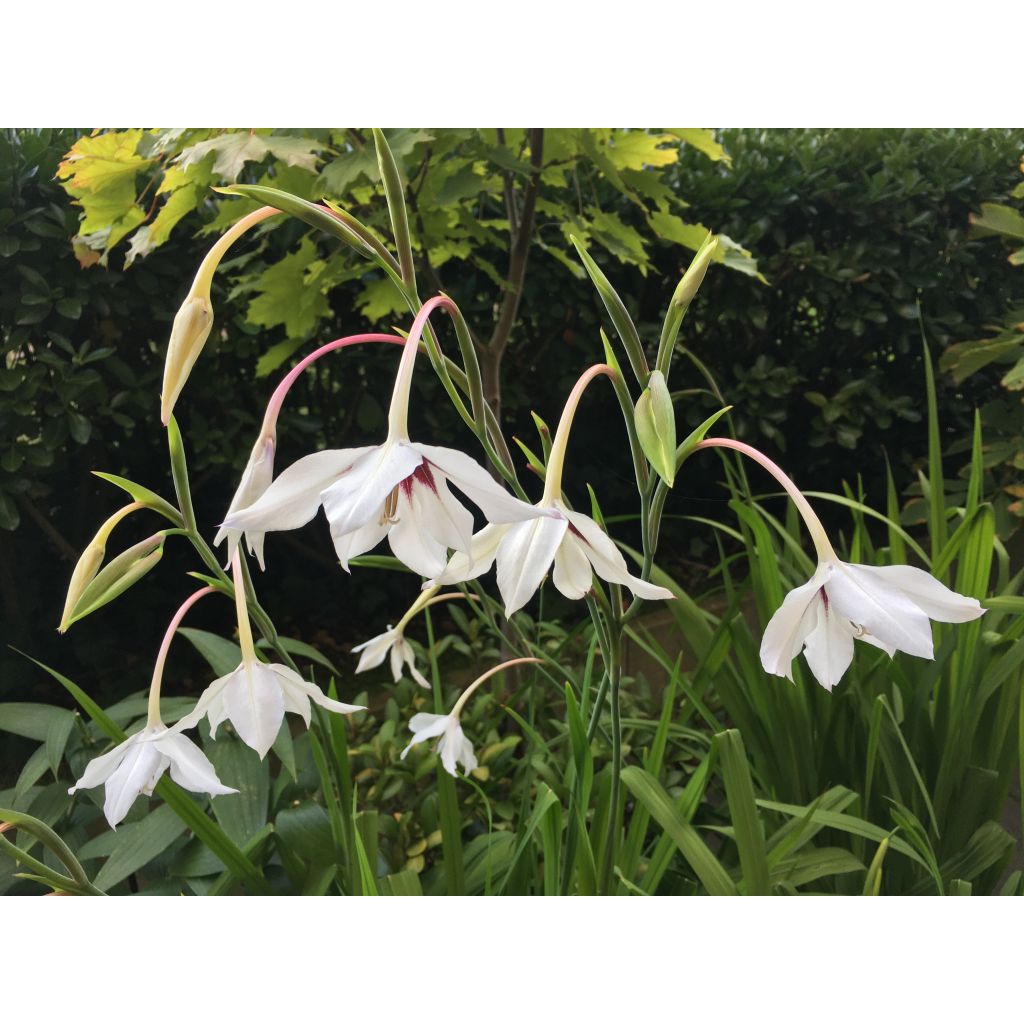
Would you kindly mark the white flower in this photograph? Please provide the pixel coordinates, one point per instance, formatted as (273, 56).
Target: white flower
(135, 767)
(453, 745)
(525, 551)
(397, 490)
(256, 478)
(393, 643)
(255, 697)
(887, 606)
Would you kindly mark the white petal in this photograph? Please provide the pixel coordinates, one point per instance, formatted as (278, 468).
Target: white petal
(524, 556)
(424, 727)
(410, 661)
(206, 700)
(883, 610)
(448, 520)
(788, 627)
(829, 645)
(455, 747)
(294, 683)
(132, 776)
(99, 769)
(350, 545)
(292, 499)
(935, 599)
(190, 767)
(497, 504)
(482, 550)
(863, 634)
(358, 497)
(412, 537)
(256, 478)
(373, 651)
(573, 575)
(255, 705)
(396, 663)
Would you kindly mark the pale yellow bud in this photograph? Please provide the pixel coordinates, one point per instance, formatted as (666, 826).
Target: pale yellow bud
(655, 420)
(192, 326)
(694, 276)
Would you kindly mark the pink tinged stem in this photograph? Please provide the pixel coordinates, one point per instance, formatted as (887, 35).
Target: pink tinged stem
(153, 719)
(282, 389)
(204, 275)
(822, 545)
(468, 692)
(556, 461)
(398, 415)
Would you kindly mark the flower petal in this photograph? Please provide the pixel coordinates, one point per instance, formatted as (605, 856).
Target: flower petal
(425, 727)
(789, 626)
(99, 769)
(292, 499)
(829, 645)
(292, 682)
(573, 575)
(607, 560)
(414, 535)
(357, 498)
(205, 703)
(255, 705)
(256, 478)
(482, 550)
(373, 651)
(190, 767)
(524, 556)
(497, 504)
(132, 776)
(868, 600)
(350, 545)
(935, 599)
(410, 661)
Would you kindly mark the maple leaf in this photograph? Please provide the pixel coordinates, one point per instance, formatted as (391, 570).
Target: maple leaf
(635, 150)
(290, 293)
(233, 150)
(704, 140)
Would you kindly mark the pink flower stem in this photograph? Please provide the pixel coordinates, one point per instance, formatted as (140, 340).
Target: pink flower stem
(468, 692)
(556, 460)
(398, 415)
(282, 389)
(822, 545)
(154, 720)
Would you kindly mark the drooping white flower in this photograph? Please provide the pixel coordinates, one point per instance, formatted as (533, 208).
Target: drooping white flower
(573, 542)
(886, 606)
(453, 745)
(254, 699)
(135, 767)
(256, 695)
(397, 490)
(256, 478)
(389, 644)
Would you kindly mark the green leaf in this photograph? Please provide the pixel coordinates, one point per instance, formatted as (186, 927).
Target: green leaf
(133, 845)
(704, 140)
(287, 293)
(405, 883)
(746, 823)
(234, 150)
(223, 656)
(243, 814)
(649, 792)
(997, 219)
(144, 496)
(34, 721)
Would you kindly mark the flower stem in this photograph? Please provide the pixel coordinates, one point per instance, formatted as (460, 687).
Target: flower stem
(153, 719)
(398, 415)
(556, 461)
(819, 537)
(242, 611)
(282, 389)
(204, 275)
(480, 680)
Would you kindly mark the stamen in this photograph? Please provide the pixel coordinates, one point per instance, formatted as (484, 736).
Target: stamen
(388, 516)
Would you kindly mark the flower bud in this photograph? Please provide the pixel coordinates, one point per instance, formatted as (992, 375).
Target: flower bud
(656, 426)
(192, 326)
(123, 572)
(89, 564)
(687, 287)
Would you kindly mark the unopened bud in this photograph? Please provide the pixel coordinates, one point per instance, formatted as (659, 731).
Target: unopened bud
(123, 572)
(656, 426)
(192, 326)
(89, 564)
(687, 287)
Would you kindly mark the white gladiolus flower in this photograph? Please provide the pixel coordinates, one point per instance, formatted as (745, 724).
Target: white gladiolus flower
(886, 606)
(256, 478)
(453, 745)
(390, 644)
(397, 490)
(135, 767)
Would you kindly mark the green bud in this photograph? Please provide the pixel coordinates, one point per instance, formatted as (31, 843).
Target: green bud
(85, 572)
(687, 287)
(123, 572)
(656, 427)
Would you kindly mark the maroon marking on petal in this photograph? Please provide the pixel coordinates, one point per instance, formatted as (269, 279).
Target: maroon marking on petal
(578, 535)
(420, 475)
(824, 598)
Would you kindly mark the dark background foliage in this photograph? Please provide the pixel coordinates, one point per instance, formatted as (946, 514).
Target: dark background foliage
(855, 232)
